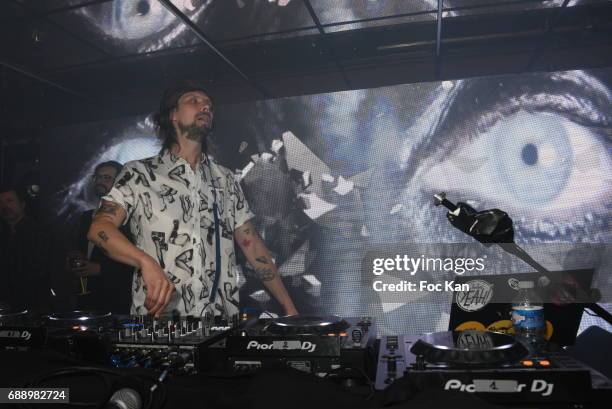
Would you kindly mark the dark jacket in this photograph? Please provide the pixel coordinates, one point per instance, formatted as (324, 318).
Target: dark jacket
(112, 289)
(24, 266)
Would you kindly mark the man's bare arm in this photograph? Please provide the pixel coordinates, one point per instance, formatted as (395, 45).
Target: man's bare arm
(260, 259)
(104, 233)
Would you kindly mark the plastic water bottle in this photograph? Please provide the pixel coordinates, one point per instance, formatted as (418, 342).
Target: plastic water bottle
(528, 313)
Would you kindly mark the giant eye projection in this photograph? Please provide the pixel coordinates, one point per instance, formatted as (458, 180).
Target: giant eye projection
(331, 175)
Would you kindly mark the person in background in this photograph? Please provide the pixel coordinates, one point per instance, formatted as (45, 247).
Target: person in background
(103, 283)
(24, 255)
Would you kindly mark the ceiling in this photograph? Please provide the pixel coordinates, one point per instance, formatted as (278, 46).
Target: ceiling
(68, 61)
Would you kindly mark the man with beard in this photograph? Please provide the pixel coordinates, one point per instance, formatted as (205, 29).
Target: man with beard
(185, 212)
(24, 280)
(104, 284)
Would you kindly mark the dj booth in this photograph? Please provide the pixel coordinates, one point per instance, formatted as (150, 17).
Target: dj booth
(301, 361)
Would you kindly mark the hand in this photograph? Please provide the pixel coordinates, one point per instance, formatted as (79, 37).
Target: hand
(71, 256)
(87, 268)
(159, 288)
(291, 310)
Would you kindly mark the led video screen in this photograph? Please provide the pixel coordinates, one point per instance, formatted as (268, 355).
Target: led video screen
(334, 177)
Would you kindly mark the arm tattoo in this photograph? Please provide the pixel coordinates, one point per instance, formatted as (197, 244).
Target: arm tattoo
(103, 239)
(103, 236)
(262, 260)
(99, 245)
(265, 274)
(247, 231)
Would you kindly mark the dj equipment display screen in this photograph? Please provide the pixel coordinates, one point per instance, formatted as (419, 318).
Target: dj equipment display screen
(331, 177)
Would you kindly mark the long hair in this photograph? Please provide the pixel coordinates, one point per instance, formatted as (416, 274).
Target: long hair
(169, 102)
(109, 164)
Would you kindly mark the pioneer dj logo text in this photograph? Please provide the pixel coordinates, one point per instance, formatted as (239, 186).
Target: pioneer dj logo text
(16, 334)
(491, 385)
(283, 345)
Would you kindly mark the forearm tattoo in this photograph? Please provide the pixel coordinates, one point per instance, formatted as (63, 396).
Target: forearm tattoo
(103, 239)
(265, 273)
(263, 260)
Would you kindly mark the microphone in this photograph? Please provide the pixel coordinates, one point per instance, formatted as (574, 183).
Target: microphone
(125, 398)
(126, 394)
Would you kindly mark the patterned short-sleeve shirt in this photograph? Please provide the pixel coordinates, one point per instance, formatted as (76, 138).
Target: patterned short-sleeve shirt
(169, 206)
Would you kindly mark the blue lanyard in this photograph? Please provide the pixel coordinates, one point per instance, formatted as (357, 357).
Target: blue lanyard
(213, 292)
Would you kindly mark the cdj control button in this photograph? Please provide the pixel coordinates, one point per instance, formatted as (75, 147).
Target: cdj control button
(356, 335)
(544, 362)
(392, 342)
(527, 362)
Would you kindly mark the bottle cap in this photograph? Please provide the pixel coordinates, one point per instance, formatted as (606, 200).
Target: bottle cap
(525, 284)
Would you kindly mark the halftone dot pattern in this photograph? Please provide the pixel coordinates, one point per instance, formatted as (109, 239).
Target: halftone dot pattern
(349, 10)
(473, 7)
(589, 320)
(392, 202)
(396, 147)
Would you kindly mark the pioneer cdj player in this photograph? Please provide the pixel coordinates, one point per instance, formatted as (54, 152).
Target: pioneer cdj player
(189, 345)
(314, 344)
(497, 367)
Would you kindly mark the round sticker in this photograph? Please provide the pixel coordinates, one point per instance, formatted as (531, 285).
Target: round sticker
(476, 298)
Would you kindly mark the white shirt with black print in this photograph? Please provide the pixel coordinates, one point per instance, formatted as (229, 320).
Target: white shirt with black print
(170, 210)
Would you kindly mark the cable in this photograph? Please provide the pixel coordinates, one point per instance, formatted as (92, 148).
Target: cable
(100, 372)
(209, 305)
(36, 382)
(365, 376)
